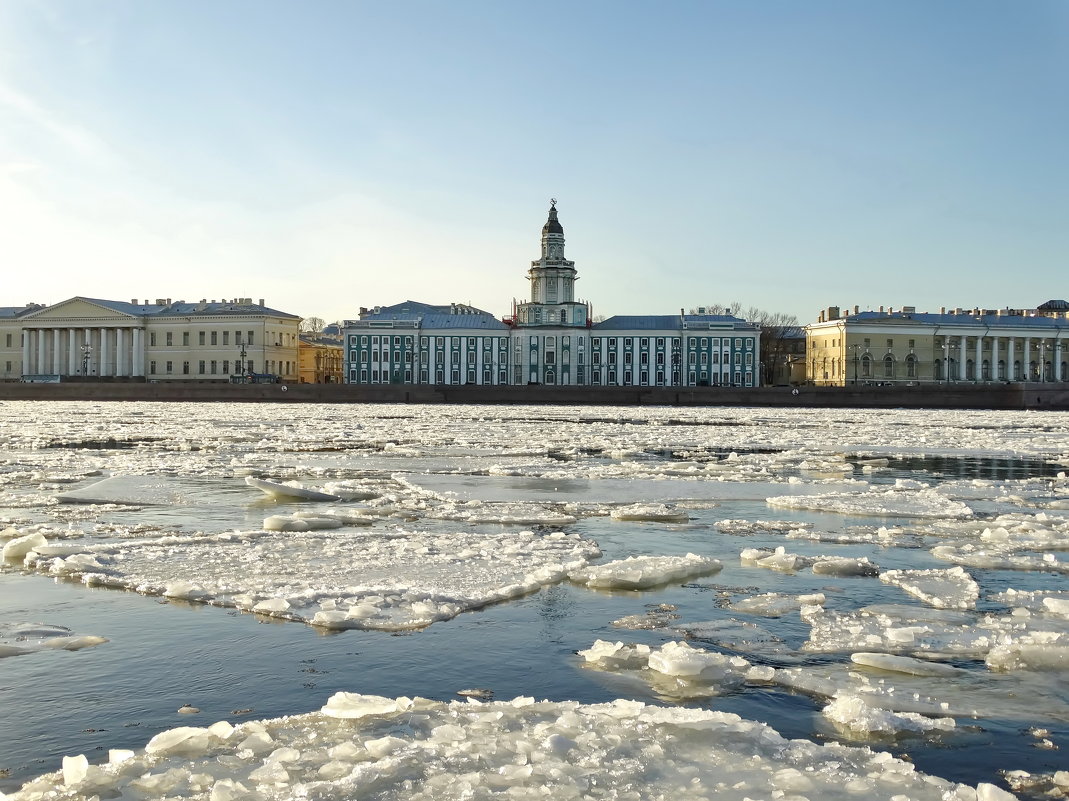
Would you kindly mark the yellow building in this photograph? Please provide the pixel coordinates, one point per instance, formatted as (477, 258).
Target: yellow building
(959, 345)
(320, 359)
(92, 339)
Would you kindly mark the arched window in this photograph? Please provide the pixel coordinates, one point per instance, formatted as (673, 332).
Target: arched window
(911, 366)
(866, 366)
(551, 377)
(1017, 370)
(1001, 369)
(1033, 371)
(888, 366)
(986, 370)
(563, 316)
(938, 365)
(970, 369)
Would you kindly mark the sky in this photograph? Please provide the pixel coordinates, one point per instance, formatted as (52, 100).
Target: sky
(330, 154)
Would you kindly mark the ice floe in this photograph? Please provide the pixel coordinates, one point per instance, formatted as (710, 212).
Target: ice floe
(944, 589)
(643, 572)
(24, 638)
(414, 748)
(888, 503)
(333, 579)
(289, 490)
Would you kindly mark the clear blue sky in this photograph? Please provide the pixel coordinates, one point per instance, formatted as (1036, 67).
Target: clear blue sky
(326, 155)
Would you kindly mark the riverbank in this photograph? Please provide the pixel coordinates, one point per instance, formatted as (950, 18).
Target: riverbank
(938, 396)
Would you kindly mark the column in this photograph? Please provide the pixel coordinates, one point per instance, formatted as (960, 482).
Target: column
(978, 360)
(1058, 361)
(26, 350)
(1026, 357)
(138, 366)
(120, 352)
(994, 359)
(105, 352)
(72, 352)
(962, 356)
(87, 353)
(40, 350)
(55, 351)
(1010, 356)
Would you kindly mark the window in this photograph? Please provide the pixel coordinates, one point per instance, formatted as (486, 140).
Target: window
(152, 368)
(185, 368)
(868, 343)
(627, 357)
(644, 357)
(629, 342)
(214, 367)
(226, 337)
(912, 343)
(866, 366)
(911, 366)
(169, 367)
(214, 338)
(890, 344)
(250, 337)
(705, 342)
(226, 366)
(237, 337)
(152, 338)
(596, 342)
(888, 366)
(550, 357)
(185, 339)
(9, 340)
(645, 342)
(170, 339)
(201, 368)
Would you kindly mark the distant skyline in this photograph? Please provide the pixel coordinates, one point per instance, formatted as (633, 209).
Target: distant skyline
(329, 155)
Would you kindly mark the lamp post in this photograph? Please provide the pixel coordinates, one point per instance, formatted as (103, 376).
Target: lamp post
(948, 350)
(857, 355)
(241, 371)
(1042, 361)
(87, 352)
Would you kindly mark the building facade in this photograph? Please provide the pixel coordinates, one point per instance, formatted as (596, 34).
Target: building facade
(549, 338)
(89, 338)
(320, 359)
(960, 345)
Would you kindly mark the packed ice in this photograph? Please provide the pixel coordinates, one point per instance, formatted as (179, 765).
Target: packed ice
(898, 597)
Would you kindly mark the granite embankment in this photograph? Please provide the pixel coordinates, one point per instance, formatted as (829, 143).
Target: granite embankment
(942, 396)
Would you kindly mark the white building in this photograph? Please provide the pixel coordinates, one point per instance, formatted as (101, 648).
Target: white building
(91, 338)
(548, 339)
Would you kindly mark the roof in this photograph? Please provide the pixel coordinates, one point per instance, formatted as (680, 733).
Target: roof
(11, 312)
(484, 320)
(971, 320)
(668, 322)
(1054, 305)
(416, 310)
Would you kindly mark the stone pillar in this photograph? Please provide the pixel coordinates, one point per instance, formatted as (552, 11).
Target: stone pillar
(104, 350)
(962, 356)
(87, 363)
(26, 332)
(1026, 357)
(1058, 361)
(40, 365)
(55, 351)
(120, 352)
(72, 352)
(994, 359)
(1010, 356)
(138, 364)
(978, 360)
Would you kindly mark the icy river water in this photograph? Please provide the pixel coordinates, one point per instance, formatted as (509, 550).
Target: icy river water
(529, 602)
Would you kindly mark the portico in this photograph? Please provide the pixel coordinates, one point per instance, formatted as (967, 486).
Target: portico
(80, 337)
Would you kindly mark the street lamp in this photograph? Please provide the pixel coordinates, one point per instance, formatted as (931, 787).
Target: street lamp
(857, 350)
(87, 351)
(241, 371)
(948, 350)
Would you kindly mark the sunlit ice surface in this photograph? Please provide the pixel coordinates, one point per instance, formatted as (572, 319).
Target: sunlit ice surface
(723, 603)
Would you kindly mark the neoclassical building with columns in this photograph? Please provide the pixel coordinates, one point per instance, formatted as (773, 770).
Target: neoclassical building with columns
(550, 338)
(957, 345)
(89, 338)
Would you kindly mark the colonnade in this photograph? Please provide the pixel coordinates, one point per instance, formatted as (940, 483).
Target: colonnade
(958, 351)
(97, 351)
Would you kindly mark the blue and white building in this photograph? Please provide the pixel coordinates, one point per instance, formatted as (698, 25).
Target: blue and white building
(549, 339)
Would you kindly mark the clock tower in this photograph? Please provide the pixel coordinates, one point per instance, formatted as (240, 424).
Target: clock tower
(552, 280)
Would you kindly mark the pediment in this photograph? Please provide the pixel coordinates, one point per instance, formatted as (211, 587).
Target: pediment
(80, 310)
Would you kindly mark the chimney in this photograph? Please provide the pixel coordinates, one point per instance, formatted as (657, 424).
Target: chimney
(857, 309)
(261, 301)
(942, 309)
(133, 301)
(833, 313)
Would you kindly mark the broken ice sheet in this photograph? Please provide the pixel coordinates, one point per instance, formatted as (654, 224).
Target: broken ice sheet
(644, 572)
(24, 638)
(334, 579)
(417, 749)
(944, 589)
(890, 503)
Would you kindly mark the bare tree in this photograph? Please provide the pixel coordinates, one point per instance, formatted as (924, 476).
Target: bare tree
(780, 333)
(312, 325)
